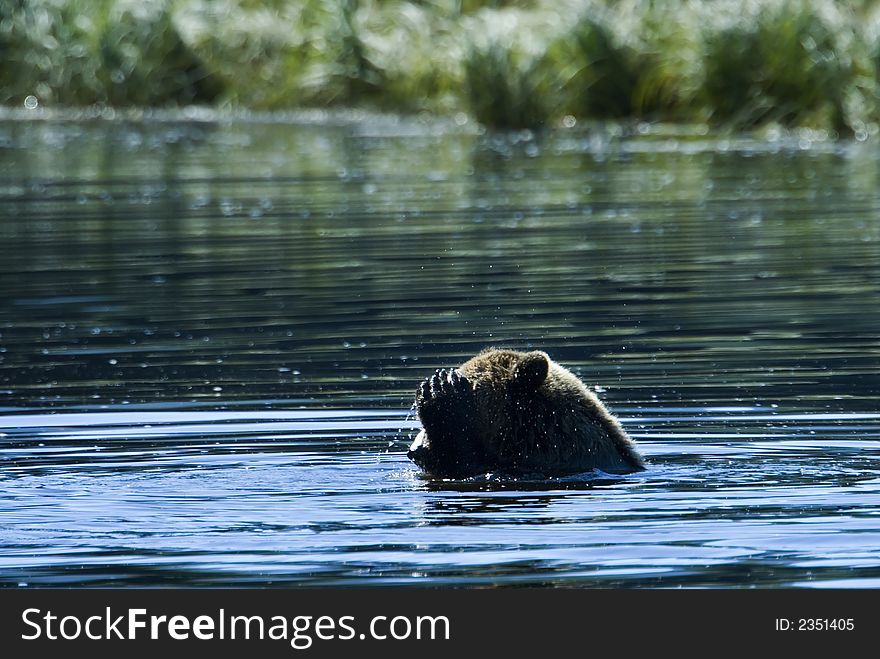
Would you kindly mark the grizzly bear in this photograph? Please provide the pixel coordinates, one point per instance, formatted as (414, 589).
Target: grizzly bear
(516, 413)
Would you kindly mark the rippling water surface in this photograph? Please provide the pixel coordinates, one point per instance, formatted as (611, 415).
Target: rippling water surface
(211, 333)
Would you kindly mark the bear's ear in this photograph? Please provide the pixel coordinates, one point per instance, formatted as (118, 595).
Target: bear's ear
(531, 371)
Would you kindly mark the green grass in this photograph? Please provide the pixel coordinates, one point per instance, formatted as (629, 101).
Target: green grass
(791, 63)
(736, 64)
(113, 53)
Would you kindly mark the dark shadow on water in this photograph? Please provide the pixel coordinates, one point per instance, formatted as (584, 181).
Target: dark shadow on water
(497, 483)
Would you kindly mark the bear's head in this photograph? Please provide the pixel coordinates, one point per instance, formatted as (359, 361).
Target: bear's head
(474, 417)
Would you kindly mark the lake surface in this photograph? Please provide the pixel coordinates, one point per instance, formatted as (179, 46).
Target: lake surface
(211, 333)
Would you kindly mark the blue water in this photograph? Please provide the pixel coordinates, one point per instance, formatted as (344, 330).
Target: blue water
(211, 334)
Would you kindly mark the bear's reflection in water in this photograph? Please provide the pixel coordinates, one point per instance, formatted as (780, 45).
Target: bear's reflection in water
(491, 483)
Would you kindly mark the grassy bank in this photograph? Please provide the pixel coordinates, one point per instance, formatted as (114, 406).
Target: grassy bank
(514, 64)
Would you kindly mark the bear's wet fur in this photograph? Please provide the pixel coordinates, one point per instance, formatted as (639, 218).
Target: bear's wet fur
(516, 413)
